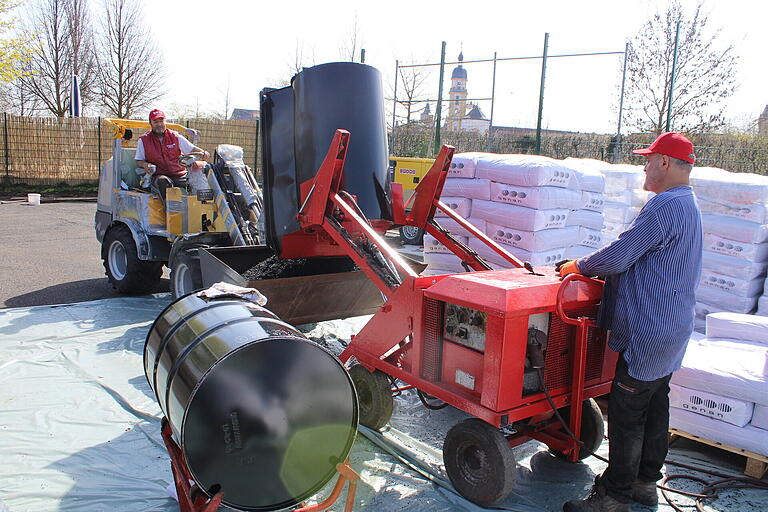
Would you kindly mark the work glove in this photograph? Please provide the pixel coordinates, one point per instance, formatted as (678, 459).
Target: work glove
(565, 267)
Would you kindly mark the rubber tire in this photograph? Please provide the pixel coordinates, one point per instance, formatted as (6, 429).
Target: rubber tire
(479, 462)
(374, 396)
(140, 276)
(592, 428)
(186, 261)
(410, 235)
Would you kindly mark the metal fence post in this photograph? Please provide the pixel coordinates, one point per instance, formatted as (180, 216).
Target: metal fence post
(256, 150)
(394, 110)
(439, 109)
(541, 93)
(493, 101)
(617, 152)
(672, 80)
(98, 137)
(5, 149)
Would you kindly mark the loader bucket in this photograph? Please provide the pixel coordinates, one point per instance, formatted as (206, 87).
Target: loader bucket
(300, 299)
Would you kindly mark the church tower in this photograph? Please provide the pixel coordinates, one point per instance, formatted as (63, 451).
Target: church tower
(457, 96)
(762, 123)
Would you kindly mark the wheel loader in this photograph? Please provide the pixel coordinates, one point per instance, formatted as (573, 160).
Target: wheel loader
(220, 206)
(212, 232)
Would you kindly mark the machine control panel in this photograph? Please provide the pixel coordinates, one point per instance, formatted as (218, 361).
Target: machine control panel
(465, 326)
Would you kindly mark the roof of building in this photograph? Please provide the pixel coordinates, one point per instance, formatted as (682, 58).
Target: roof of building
(459, 71)
(475, 113)
(765, 112)
(244, 114)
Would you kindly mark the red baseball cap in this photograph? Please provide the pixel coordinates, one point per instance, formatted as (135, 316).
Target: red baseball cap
(156, 114)
(671, 144)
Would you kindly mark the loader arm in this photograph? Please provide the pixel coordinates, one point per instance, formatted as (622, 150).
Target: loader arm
(333, 210)
(326, 206)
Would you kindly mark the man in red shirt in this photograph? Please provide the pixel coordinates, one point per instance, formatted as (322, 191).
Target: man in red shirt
(158, 154)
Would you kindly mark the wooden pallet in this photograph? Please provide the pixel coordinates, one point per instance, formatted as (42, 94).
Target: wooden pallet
(757, 465)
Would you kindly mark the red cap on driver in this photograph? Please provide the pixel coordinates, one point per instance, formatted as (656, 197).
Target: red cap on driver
(156, 114)
(671, 144)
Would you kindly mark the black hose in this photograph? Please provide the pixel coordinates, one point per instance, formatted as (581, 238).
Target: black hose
(540, 371)
(710, 488)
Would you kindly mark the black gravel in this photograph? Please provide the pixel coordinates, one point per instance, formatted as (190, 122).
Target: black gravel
(274, 267)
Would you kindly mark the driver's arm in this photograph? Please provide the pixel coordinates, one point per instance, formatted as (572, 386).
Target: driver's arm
(139, 158)
(187, 147)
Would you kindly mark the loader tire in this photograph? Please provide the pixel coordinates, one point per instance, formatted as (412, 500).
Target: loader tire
(411, 235)
(125, 271)
(592, 428)
(374, 395)
(479, 462)
(186, 276)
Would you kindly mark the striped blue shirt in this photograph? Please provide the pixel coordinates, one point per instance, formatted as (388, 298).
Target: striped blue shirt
(653, 269)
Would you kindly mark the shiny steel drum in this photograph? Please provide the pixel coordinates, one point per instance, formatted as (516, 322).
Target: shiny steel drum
(257, 408)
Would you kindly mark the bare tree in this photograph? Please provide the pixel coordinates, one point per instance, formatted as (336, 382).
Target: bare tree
(82, 52)
(351, 45)
(61, 35)
(225, 92)
(51, 70)
(18, 99)
(411, 82)
(704, 78)
(131, 72)
(299, 61)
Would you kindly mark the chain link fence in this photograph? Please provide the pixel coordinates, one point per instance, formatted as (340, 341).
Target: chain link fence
(41, 151)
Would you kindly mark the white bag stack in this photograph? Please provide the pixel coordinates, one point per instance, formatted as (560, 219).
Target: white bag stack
(531, 199)
(588, 216)
(624, 197)
(721, 391)
(459, 190)
(734, 209)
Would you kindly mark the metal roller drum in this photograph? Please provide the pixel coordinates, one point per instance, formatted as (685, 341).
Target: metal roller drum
(259, 411)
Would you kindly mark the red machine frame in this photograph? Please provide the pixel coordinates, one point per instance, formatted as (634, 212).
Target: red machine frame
(192, 499)
(392, 341)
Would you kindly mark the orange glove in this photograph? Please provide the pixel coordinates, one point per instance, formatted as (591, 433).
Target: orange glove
(568, 267)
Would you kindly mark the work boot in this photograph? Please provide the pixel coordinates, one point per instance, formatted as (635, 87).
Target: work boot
(597, 501)
(645, 493)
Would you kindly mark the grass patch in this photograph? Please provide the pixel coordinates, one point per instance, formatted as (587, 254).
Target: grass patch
(61, 189)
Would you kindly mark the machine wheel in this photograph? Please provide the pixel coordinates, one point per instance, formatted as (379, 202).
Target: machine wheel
(374, 394)
(592, 428)
(125, 271)
(479, 462)
(186, 276)
(411, 235)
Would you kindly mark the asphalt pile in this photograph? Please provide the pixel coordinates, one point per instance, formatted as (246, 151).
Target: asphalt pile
(276, 268)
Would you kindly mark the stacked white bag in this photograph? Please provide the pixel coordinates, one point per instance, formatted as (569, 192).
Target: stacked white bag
(461, 189)
(721, 391)
(590, 182)
(528, 209)
(624, 198)
(734, 209)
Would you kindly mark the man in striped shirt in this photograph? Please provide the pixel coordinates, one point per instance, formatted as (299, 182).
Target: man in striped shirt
(652, 271)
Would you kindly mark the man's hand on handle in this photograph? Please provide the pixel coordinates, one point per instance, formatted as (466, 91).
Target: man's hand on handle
(565, 267)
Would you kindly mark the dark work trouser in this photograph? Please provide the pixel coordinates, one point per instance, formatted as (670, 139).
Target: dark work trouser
(160, 184)
(638, 424)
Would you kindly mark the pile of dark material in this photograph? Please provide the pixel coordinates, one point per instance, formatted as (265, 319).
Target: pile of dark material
(275, 268)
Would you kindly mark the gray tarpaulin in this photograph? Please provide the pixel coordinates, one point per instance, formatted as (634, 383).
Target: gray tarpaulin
(80, 429)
